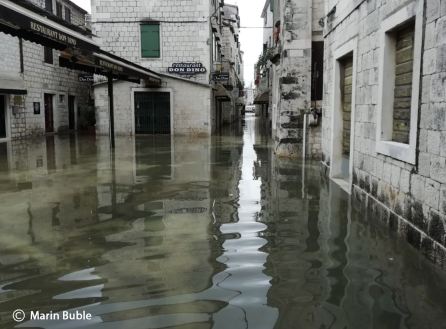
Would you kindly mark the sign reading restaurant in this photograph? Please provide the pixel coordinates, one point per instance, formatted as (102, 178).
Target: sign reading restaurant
(57, 35)
(186, 68)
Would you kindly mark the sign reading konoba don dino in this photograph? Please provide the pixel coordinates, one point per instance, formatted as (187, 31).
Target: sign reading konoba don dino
(186, 68)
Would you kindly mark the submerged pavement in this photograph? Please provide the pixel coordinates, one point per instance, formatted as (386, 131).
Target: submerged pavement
(183, 232)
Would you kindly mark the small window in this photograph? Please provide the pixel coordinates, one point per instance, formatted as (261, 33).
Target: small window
(150, 41)
(265, 19)
(48, 55)
(49, 5)
(68, 14)
(59, 9)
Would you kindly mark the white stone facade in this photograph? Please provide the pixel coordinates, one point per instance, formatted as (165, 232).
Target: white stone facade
(406, 191)
(184, 31)
(39, 78)
(188, 105)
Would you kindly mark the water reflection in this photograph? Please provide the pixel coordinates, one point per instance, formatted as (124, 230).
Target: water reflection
(198, 233)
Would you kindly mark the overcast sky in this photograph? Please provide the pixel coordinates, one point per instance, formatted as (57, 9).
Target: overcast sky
(250, 39)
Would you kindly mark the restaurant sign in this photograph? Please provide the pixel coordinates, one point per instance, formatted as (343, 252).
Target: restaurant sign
(57, 35)
(186, 68)
(86, 77)
(108, 65)
(221, 76)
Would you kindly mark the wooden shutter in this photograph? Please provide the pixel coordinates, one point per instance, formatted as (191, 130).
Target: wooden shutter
(347, 106)
(403, 84)
(49, 5)
(150, 41)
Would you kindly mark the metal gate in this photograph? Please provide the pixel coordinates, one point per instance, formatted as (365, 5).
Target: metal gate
(152, 113)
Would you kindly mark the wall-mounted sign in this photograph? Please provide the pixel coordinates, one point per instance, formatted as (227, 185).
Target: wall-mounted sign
(263, 84)
(220, 77)
(187, 68)
(108, 65)
(36, 107)
(86, 77)
(18, 100)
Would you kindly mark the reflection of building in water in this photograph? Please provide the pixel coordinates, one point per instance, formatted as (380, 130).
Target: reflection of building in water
(332, 268)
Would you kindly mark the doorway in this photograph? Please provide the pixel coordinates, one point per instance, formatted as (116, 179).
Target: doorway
(71, 114)
(2, 117)
(346, 105)
(152, 113)
(49, 113)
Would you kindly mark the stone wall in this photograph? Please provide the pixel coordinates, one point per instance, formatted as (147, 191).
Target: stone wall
(191, 104)
(409, 197)
(184, 29)
(40, 78)
(77, 13)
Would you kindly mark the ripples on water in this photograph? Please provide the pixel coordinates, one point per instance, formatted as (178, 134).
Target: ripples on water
(198, 233)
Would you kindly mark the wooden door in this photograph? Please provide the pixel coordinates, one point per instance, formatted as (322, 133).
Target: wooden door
(347, 79)
(71, 116)
(2, 117)
(49, 115)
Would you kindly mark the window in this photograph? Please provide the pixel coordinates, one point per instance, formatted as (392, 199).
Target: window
(59, 9)
(150, 41)
(68, 14)
(399, 82)
(265, 19)
(49, 5)
(48, 55)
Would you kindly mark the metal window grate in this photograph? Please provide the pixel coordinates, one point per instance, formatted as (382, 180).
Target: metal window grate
(152, 113)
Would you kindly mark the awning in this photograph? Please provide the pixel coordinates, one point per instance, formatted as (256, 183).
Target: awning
(23, 23)
(221, 93)
(262, 98)
(102, 63)
(12, 84)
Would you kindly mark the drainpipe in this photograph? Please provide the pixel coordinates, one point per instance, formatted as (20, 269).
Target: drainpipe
(304, 150)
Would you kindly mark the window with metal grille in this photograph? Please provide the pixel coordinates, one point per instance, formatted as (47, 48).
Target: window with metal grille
(49, 5)
(68, 14)
(48, 55)
(59, 9)
(150, 41)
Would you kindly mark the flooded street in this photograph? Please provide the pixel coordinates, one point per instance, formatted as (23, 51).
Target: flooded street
(183, 232)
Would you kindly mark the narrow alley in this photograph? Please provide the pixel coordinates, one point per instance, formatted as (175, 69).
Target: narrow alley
(198, 232)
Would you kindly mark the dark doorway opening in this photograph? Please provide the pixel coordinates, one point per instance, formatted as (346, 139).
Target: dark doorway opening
(2, 117)
(49, 115)
(152, 113)
(71, 115)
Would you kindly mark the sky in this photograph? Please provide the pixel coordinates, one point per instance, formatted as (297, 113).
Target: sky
(251, 39)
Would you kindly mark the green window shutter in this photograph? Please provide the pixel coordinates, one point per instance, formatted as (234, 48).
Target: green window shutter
(271, 3)
(150, 41)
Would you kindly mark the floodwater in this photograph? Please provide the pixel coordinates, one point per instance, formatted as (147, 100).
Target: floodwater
(197, 233)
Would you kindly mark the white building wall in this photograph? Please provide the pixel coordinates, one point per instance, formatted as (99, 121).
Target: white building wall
(190, 103)
(408, 196)
(184, 28)
(39, 78)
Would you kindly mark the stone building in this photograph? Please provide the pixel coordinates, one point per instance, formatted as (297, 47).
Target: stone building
(383, 117)
(181, 42)
(294, 73)
(38, 96)
(232, 62)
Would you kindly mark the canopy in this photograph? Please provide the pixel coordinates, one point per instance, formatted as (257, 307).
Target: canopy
(23, 23)
(12, 84)
(262, 98)
(221, 93)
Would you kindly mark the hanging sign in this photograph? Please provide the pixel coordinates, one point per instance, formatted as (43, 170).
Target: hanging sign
(263, 84)
(186, 68)
(221, 77)
(85, 77)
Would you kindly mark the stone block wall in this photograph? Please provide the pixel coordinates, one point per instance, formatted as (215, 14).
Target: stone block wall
(410, 198)
(39, 78)
(77, 14)
(191, 104)
(184, 28)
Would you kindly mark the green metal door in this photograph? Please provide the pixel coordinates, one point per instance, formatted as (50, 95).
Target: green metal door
(152, 113)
